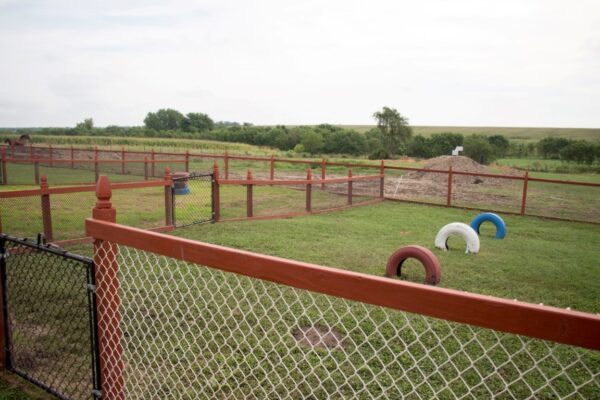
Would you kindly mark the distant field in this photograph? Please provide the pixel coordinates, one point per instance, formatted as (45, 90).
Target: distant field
(525, 134)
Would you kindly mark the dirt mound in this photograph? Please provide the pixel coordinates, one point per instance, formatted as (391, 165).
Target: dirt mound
(458, 163)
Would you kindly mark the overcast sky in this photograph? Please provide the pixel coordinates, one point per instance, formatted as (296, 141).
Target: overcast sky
(461, 62)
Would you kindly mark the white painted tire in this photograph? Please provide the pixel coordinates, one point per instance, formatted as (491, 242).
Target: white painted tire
(463, 230)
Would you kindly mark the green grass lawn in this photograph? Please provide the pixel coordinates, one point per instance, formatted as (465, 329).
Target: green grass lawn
(557, 260)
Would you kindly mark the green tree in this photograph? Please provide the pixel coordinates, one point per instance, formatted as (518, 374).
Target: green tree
(419, 146)
(197, 122)
(479, 149)
(550, 147)
(580, 152)
(312, 142)
(394, 129)
(500, 144)
(86, 125)
(444, 143)
(164, 119)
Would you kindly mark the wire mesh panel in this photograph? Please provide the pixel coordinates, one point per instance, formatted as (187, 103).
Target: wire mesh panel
(192, 199)
(191, 332)
(49, 317)
(564, 201)
(487, 192)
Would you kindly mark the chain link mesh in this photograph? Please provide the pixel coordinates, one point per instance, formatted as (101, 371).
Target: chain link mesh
(49, 319)
(192, 332)
(192, 199)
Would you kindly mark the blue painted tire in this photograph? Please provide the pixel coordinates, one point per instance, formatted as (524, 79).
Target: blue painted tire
(493, 218)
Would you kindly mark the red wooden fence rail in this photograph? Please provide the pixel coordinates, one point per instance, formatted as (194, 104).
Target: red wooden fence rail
(227, 158)
(45, 194)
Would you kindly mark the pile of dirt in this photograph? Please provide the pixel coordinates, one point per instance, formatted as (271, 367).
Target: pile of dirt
(458, 163)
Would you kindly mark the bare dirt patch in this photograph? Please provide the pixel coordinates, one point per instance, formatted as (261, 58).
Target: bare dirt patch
(319, 336)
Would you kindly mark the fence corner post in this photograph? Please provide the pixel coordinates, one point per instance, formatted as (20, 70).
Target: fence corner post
(3, 167)
(46, 209)
(168, 197)
(187, 160)
(108, 300)
(96, 167)
(122, 160)
(4, 349)
(382, 180)
(36, 171)
(216, 206)
(449, 194)
(146, 168)
(350, 186)
(323, 166)
(524, 198)
(153, 163)
(249, 200)
(72, 157)
(272, 168)
(50, 155)
(226, 162)
(309, 190)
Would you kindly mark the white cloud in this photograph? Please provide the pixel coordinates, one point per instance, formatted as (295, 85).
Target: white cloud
(526, 63)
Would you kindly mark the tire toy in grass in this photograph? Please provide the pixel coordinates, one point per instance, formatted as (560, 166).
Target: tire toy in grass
(180, 182)
(433, 271)
(493, 218)
(463, 230)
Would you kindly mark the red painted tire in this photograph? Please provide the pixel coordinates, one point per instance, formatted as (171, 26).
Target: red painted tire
(433, 270)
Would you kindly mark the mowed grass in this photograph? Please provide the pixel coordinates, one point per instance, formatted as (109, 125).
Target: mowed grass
(539, 261)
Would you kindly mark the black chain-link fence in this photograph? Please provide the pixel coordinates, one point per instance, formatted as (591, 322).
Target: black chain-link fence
(192, 199)
(49, 314)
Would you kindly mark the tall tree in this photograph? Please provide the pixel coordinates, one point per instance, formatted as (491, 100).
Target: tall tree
(165, 119)
(198, 122)
(394, 129)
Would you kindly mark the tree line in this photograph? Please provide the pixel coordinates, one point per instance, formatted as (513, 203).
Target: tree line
(392, 136)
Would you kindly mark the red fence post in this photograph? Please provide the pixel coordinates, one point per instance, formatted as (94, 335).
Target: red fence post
(215, 192)
(382, 180)
(449, 194)
(272, 167)
(96, 169)
(3, 167)
(46, 210)
(309, 190)
(524, 198)
(146, 168)
(153, 163)
(122, 160)
(249, 201)
(108, 300)
(350, 187)
(187, 160)
(72, 157)
(226, 162)
(36, 171)
(323, 166)
(50, 154)
(168, 197)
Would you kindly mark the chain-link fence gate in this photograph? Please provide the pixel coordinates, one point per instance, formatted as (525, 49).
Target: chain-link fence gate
(49, 318)
(193, 199)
